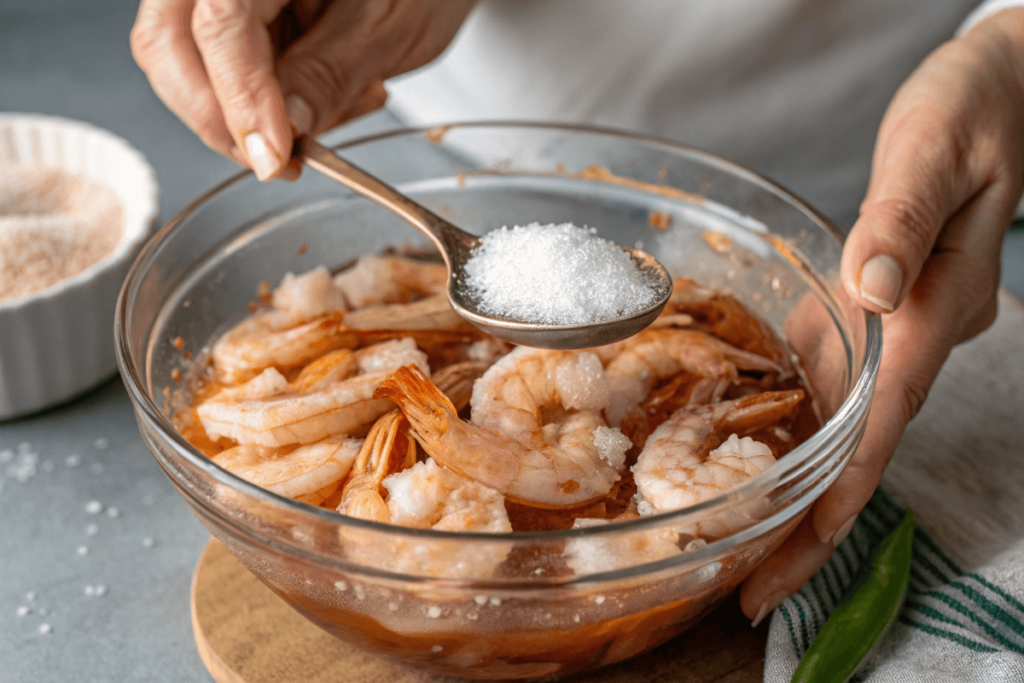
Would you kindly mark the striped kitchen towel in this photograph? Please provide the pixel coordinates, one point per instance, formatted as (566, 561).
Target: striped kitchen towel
(956, 625)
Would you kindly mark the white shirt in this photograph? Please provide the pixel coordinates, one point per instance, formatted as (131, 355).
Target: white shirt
(794, 89)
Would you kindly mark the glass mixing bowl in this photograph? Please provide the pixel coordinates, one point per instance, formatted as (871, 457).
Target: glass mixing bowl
(437, 600)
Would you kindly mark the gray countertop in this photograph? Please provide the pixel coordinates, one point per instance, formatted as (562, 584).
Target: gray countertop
(71, 58)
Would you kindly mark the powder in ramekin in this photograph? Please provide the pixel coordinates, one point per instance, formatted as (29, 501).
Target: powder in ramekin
(53, 225)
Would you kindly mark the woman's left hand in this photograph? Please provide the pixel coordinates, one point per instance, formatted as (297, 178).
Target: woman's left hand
(948, 172)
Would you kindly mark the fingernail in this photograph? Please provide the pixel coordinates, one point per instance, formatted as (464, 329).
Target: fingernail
(881, 279)
(840, 535)
(264, 162)
(768, 606)
(299, 114)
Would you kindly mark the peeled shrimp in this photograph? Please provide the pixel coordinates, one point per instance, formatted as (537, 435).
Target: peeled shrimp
(386, 450)
(429, 496)
(308, 319)
(608, 552)
(432, 313)
(308, 295)
(538, 437)
(688, 460)
(653, 355)
(725, 317)
(456, 381)
(276, 339)
(307, 411)
(301, 472)
(376, 280)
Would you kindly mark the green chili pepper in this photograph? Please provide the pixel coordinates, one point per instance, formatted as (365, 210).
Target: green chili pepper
(865, 613)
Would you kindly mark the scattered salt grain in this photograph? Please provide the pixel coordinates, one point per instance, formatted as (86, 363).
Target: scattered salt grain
(73, 461)
(481, 600)
(433, 611)
(555, 274)
(97, 591)
(436, 649)
(147, 542)
(341, 585)
(495, 601)
(393, 606)
(113, 513)
(83, 550)
(695, 544)
(23, 610)
(90, 590)
(24, 466)
(30, 596)
(576, 618)
(100, 444)
(101, 590)
(91, 529)
(44, 629)
(599, 599)
(93, 507)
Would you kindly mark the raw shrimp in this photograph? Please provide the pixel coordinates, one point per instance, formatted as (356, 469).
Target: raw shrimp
(376, 280)
(386, 450)
(310, 410)
(654, 355)
(608, 552)
(688, 460)
(308, 320)
(308, 295)
(429, 496)
(296, 474)
(456, 381)
(276, 339)
(432, 313)
(538, 436)
(725, 317)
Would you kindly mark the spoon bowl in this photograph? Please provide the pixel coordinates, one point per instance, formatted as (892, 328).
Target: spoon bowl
(457, 246)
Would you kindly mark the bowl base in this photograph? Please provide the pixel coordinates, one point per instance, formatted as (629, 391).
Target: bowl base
(247, 634)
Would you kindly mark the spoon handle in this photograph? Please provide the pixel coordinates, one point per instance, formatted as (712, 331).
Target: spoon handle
(448, 238)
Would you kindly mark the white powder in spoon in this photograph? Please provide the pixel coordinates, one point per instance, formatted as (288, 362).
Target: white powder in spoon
(555, 275)
(53, 225)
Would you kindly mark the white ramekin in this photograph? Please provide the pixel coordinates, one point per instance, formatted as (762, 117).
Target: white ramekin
(59, 341)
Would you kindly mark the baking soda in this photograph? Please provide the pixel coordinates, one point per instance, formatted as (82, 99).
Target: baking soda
(555, 275)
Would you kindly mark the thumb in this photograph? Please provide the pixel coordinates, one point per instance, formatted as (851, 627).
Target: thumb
(917, 183)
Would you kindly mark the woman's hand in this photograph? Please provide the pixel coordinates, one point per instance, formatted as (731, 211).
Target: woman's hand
(248, 75)
(948, 172)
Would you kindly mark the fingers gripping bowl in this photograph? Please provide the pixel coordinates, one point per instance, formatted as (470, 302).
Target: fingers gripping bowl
(374, 584)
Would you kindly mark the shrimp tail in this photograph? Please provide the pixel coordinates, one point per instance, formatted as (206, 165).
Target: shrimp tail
(427, 409)
(760, 410)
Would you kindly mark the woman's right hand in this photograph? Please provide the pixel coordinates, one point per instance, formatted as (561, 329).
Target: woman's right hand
(247, 76)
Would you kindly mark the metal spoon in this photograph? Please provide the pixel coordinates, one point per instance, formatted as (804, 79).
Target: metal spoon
(457, 246)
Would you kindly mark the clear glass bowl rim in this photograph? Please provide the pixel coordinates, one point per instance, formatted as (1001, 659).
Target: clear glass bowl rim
(797, 458)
